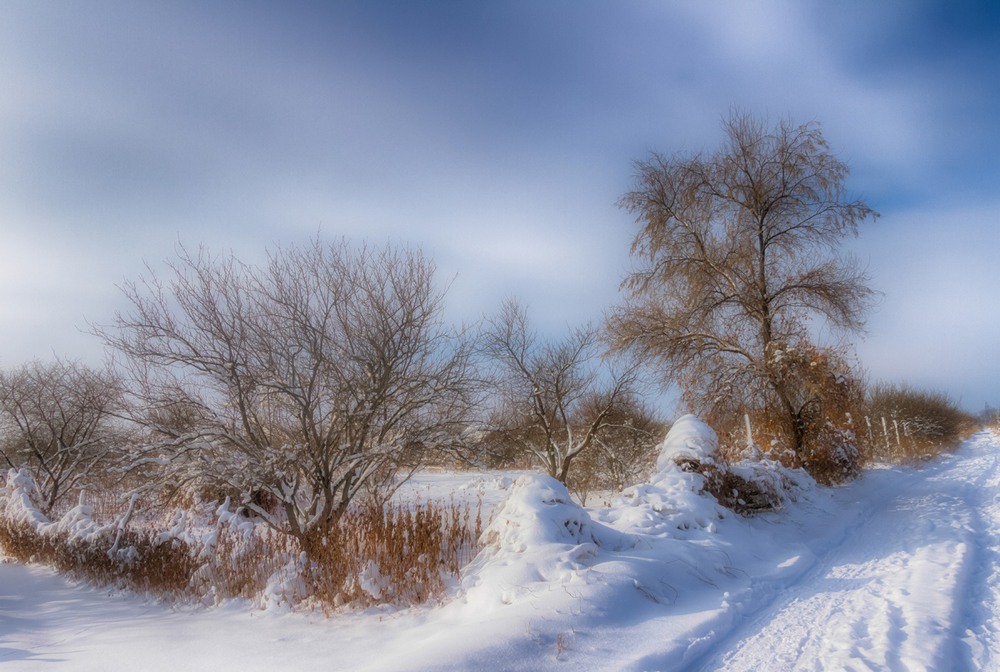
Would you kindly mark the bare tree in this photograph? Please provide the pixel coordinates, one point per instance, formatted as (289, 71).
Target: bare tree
(310, 379)
(554, 397)
(58, 420)
(737, 251)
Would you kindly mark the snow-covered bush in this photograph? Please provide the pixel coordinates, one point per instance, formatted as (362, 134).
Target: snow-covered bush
(693, 486)
(77, 545)
(19, 499)
(19, 506)
(674, 503)
(747, 486)
(689, 445)
(813, 426)
(539, 510)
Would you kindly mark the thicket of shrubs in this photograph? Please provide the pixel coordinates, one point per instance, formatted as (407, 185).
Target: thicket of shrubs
(903, 423)
(990, 417)
(847, 427)
(813, 429)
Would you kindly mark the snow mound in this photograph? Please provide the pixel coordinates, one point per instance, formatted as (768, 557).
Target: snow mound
(690, 441)
(287, 586)
(674, 503)
(539, 535)
(539, 511)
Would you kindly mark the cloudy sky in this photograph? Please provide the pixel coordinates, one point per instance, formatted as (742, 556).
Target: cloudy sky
(498, 136)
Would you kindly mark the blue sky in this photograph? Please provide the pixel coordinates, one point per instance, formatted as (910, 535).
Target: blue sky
(498, 136)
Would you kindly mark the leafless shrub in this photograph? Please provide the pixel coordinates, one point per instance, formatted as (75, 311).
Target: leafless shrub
(315, 377)
(918, 423)
(58, 420)
(554, 399)
(624, 450)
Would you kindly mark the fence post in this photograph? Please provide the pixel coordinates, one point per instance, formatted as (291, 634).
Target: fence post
(746, 419)
(885, 431)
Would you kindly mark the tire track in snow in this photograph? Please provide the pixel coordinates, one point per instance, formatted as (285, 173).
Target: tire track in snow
(979, 617)
(915, 586)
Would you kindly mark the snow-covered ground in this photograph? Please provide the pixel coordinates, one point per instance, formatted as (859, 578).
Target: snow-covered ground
(897, 571)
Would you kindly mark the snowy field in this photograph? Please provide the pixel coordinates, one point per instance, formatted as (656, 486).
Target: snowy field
(897, 571)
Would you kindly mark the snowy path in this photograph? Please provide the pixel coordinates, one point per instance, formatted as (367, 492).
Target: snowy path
(915, 587)
(904, 574)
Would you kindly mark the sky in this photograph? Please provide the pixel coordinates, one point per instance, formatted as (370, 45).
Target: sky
(496, 136)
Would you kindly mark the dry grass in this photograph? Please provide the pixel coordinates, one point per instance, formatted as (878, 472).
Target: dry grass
(163, 570)
(395, 554)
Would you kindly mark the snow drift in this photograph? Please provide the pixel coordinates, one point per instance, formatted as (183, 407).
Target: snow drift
(540, 538)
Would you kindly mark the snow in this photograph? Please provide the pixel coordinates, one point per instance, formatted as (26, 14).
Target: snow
(689, 438)
(914, 585)
(899, 570)
(18, 495)
(672, 503)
